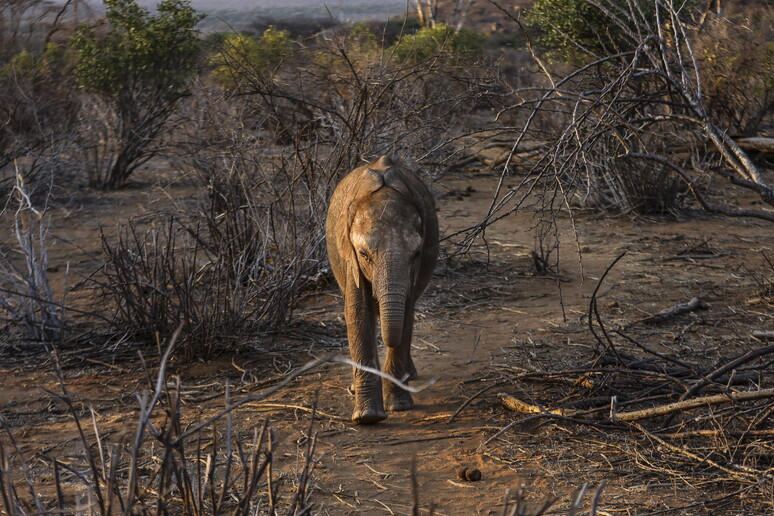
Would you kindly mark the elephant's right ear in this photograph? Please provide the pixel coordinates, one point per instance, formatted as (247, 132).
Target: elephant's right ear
(346, 248)
(353, 269)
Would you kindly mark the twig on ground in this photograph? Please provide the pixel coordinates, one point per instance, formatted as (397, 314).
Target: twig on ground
(681, 308)
(693, 403)
(428, 439)
(314, 411)
(735, 470)
(747, 434)
(473, 397)
(747, 357)
(594, 312)
(516, 405)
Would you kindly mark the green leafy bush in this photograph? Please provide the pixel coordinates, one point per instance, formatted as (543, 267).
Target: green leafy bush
(240, 52)
(53, 62)
(579, 29)
(352, 47)
(22, 62)
(154, 52)
(430, 42)
(142, 67)
(37, 108)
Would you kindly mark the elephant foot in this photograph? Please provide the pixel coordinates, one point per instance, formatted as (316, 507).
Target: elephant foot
(368, 416)
(369, 406)
(398, 400)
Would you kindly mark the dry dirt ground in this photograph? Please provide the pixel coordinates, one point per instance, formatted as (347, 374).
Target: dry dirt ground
(486, 318)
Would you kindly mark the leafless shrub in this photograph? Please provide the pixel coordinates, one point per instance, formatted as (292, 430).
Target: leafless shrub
(612, 183)
(162, 278)
(265, 220)
(166, 467)
(25, 291)
(239, 260)
(264, 210)
(634, 119)
(36, 115)
(517, 505)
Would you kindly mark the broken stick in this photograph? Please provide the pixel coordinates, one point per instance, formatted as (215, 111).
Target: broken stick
(680, 406)
(681, 308)
(516, 405)
(756, 144)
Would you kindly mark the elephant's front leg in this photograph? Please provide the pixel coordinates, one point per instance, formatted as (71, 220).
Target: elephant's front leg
(398, 364)
(360, 315)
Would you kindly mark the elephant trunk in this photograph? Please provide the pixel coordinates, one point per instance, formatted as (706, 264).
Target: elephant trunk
(392, 308)
(391, 293)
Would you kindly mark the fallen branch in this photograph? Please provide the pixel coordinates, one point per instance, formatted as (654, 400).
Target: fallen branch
(677, 374)
(681, 308)
(716, 375)
(680, 406)
(748, 434)
(476, 395)
(756, 144)
(696, 256)
(763, 334)
(428, 439)
(516, 405)
(736, 470)
(547, 415)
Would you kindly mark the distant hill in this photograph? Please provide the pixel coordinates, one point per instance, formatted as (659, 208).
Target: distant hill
(249, 5)
(226, 15)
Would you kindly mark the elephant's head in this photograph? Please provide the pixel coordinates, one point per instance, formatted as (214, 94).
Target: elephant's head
(386, 230)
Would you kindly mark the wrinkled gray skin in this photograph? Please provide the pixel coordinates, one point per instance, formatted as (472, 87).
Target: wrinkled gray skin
(382, 238)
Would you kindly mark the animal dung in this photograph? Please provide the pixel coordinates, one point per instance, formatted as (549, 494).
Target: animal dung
(468, 474)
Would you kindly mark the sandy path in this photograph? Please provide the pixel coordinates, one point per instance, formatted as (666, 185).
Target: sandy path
(459, 335)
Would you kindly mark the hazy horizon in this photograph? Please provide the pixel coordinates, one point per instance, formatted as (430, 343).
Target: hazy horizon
(249, 5)
(372, 8)
(227, 15)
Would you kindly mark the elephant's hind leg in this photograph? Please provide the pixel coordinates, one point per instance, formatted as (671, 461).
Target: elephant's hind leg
(361, 334)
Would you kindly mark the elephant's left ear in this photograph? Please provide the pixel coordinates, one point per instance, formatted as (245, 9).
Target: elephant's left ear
(353, 269)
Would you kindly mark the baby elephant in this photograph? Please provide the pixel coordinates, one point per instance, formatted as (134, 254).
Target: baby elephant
(382, 237)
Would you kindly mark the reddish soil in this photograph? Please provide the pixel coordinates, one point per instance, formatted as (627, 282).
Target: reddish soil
(485, 318)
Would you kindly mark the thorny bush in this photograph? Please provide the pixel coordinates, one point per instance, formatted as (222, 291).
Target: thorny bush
(639, 128)
(169, 464)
